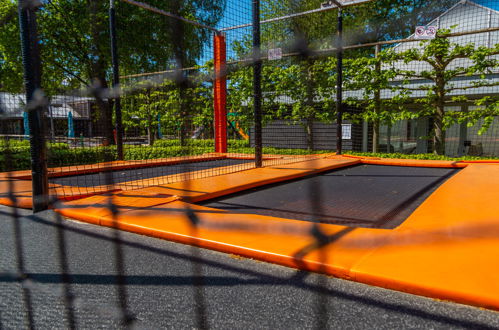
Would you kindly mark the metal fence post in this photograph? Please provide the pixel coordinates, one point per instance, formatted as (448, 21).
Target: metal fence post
(257, 83)
(34, 103)
(339, 84)
(220, 92)
(116, 79)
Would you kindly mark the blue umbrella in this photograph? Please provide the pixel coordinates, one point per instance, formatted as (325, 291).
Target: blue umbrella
(26, 125)
(71, 129)
(160, 135)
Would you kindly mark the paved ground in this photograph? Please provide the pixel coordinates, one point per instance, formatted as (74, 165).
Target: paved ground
(170, 285)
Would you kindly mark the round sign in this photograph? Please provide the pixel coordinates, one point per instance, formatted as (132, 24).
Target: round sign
(420, 31)
(431, 31)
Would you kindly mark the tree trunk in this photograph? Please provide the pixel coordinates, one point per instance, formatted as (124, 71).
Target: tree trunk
(439, 132)
(184, 114)
(438, 122)
(150, 131)
(181, 76)
(310, 106)
(98, 67)
(310, 133)
(377, 103)
(375, 136)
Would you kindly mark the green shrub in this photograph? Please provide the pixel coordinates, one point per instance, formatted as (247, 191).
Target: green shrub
(19, 159)
(12, 143)
(58, 146)
(205, 143)
(80, 156)
(189, 142)
(238, 144)
(60, 154)
(138, 153)
(416, 156)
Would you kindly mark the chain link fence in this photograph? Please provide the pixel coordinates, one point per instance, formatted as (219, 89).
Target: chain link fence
(127, 95)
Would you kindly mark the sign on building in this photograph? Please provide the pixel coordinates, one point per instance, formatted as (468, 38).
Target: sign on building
(426, 32)
(346, 131)
(275, 54)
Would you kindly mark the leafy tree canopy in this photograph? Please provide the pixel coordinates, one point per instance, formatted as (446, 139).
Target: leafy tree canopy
(74, 38)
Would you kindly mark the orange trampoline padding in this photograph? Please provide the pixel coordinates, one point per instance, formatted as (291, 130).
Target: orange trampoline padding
(448, 248)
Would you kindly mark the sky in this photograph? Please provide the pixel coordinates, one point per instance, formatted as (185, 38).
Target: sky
(494, 4)
(239, 12)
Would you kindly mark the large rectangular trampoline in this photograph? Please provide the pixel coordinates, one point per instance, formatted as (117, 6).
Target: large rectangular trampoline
(112, 176)
(372, 196)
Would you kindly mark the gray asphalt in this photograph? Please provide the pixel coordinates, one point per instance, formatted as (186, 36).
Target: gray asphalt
(170, 285)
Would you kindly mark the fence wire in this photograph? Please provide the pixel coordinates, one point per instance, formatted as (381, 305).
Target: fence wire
(418, 77)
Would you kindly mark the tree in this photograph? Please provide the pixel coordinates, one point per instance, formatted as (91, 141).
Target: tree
(310, 83)
(369, 77)
(147, 100)
(392, 19)
(373, 21)
(75, 43)
(441, 63)
(11, 71)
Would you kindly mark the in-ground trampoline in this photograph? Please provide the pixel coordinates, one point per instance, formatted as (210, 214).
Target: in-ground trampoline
(79, 181)
(361, 195)
(140, 172)
(424, 227)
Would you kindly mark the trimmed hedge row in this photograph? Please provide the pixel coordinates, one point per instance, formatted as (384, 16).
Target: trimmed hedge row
(61, 155)
(418, 156)
(208, 143)
(12, 143)
(138, 153)
(65, 156)
(19, 154)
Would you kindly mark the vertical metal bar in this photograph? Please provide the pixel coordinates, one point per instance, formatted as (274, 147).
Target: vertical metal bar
(389, 138)
(220, 92)
(339, 84)
(119, 254)
(19, 246)
(257, 83)
(365, 136)
(116, 79)
(52, 132)
(463, 133)
(377, 101)
(65, 277)
(32, 82)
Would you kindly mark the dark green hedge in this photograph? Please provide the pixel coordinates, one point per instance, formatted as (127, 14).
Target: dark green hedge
(61, 155)
(18, 152)
(208, 143)
(64, 156)
(419, 156)
(138, 153)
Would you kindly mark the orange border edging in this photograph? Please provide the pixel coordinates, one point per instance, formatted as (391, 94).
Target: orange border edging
(447, 249)
(438, 252)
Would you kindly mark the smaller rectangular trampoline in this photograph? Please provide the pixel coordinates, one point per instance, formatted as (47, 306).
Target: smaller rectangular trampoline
(122, 176)
(374, 196)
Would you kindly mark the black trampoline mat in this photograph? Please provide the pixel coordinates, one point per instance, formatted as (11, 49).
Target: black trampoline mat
(359, 196)
(121, 176)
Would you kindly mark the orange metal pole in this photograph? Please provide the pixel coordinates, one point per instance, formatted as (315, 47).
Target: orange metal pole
(220, 93)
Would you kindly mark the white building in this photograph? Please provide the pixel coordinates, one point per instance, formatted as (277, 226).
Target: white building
(12, 110)
(408, 136)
